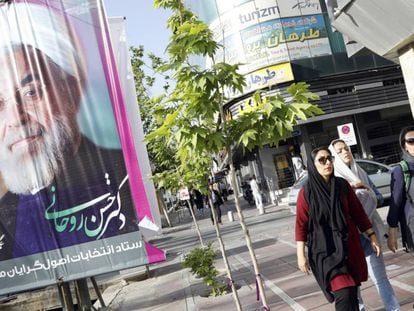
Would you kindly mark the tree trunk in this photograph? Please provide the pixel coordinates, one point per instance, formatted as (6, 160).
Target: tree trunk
(223, 253)
(249, 245)
(164, 210)
(163, 207)
(195, 222)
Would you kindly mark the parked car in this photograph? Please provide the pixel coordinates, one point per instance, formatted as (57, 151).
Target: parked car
(379, 173)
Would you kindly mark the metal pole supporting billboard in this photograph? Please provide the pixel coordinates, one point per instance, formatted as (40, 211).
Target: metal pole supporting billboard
(98, 292)
(82, 294)
(65, 296)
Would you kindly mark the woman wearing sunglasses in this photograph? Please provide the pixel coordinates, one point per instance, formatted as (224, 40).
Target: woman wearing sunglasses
(346, 167)
(328, 218)
(401, 203)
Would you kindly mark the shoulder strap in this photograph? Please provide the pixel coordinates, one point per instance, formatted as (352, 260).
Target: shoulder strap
(407, 179)
(406, 174)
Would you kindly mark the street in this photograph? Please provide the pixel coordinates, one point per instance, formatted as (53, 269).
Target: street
(173, 288)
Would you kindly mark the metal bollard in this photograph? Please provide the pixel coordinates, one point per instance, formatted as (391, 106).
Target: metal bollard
(261, 210)
(230, 216)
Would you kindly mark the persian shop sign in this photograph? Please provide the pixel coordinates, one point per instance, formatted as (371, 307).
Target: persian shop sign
(265, 77)
(261, 34)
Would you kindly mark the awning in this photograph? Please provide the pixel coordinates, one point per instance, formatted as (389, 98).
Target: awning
(368, 23)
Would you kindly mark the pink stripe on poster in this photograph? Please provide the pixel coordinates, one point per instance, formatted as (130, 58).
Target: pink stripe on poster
(154, 254)
(118, 104)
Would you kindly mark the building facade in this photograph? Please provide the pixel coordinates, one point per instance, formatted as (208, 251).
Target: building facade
(279, 42)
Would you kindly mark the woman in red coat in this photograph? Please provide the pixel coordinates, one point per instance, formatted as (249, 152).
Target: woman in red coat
(328, 218)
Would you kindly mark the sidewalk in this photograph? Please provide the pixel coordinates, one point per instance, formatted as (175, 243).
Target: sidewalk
(173, 288)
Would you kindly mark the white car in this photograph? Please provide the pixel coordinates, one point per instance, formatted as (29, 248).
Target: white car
(379, 173)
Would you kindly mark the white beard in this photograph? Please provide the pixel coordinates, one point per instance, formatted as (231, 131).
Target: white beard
(36, 168)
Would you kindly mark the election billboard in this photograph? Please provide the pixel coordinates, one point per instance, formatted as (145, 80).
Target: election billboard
(149, 220)
(69, 207)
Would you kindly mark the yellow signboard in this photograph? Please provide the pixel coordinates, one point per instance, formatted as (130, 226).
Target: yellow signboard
(268, 76)
(265, 77)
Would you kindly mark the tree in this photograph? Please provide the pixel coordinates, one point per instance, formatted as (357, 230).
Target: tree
(195, 119)
(161, 154)
(161, 151)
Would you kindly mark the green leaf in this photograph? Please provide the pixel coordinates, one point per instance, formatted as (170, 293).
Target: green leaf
(257, 97)
(279, 126)
(160, 132)
(299, 113)
(247, 136)
(217, 141)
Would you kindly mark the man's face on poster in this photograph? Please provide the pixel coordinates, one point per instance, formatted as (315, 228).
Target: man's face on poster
(38, 107)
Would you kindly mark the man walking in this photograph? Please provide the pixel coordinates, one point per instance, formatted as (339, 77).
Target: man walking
(217, 202)
(256, 194)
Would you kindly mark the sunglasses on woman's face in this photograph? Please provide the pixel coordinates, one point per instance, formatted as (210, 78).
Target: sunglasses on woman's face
(409, 141)
(323, 160)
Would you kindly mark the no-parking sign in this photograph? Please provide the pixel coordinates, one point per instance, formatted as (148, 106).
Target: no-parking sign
(347, 134)
(183, 194)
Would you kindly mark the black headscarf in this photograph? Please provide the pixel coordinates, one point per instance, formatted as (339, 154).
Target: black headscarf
(328, 232)
(405, 155)
(406, 233)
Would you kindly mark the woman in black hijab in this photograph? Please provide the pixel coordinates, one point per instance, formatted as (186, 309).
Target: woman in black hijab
(402, 195)
(328, 218)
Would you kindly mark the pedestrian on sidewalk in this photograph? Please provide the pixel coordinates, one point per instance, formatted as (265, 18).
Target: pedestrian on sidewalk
(198, 200)
(217, 202)
(222, 189)
(402, 193)
(328, 217)
(369, 196)
(256, 194)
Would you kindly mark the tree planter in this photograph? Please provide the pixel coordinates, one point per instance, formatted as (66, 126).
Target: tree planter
(201, 262)
(199, 289)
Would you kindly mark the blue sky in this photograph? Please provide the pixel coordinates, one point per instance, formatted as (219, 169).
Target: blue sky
(145, 25)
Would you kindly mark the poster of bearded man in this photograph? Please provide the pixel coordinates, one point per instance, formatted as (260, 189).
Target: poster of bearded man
(68, 207)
